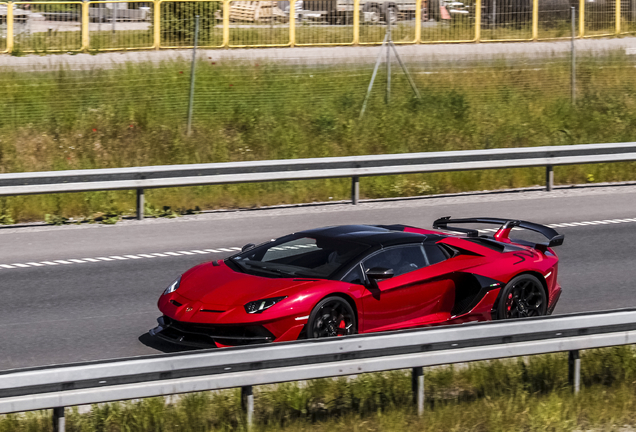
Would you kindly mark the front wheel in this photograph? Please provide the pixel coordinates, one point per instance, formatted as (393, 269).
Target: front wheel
(331, 317)
(522, 297)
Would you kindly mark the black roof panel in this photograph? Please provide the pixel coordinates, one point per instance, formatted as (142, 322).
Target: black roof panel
(372, 235)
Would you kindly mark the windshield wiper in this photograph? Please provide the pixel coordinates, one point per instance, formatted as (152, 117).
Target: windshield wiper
(261, 266)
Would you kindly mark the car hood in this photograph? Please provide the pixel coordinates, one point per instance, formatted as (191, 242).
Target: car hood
(222, 286)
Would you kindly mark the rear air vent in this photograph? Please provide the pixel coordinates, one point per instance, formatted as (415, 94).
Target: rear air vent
(176, 303)
(212, 311)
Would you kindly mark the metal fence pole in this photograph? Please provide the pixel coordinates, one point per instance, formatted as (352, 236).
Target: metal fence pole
(388, 57)
(355, 190)
(356, 22)
(478, 21)
(247, 402)
(581, 18)
(292, 23)
(573, 56)
(193, 74)
(113, 18)
(85, 29)
(10, 27)
(574, 370)
(226, 23)
(618, 17)
(156, 24)
(59, 421)
(549, 178)
(141, 203)
(418, 21)
(535, 20)
(417, 381)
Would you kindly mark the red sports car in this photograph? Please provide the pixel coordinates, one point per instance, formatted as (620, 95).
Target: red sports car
(351, 279)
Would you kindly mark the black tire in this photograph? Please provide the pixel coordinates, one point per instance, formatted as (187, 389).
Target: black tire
(433, 10)
(377, 14)
(522, 297)
(332, 316)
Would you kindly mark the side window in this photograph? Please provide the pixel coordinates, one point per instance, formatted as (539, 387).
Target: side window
(402, 260)
(435, 254)
(355, 276)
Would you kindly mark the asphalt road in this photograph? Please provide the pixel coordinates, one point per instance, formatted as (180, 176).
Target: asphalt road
(56, 310)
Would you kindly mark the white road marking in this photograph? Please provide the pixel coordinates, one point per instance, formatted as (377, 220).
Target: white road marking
(234, 248)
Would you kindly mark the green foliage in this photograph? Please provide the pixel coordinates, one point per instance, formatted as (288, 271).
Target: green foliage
(178, 22)
(135, 115)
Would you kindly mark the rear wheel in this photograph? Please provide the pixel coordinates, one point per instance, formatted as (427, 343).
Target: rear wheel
(331, 317)
(522, 297)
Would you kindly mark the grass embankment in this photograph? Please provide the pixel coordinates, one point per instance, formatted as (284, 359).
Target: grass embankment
(135, 115)
(529, 394)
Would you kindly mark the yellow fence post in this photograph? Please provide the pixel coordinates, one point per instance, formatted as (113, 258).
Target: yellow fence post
(292, 23)
(356, 22)
(418, 21)
(226, 23)
(581, 18)
(157, 25)
(478, 20)
(85, 21)
(618, 16)
(535, 20)
(10, 27)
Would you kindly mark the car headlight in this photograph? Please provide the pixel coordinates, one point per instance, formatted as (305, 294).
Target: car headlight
(173, 286)
(259, 306)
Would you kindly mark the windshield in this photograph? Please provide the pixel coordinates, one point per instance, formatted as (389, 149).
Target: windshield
(298, 256)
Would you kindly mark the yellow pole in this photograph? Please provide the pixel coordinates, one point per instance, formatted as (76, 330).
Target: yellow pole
(478, 20)
(85, 32)
(418, 21)
(618, 16)
(292, 23)
(581, 18)
(356, 22)
(535, 20)
(9, 27)
(226, 23)
(157, 25)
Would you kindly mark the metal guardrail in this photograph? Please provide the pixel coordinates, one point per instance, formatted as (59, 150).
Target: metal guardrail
(141, 178)
(96, 382)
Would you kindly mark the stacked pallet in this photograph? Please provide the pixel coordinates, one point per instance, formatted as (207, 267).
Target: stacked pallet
(251, 11)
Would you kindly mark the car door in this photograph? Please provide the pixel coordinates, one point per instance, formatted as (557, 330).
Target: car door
(416, 295)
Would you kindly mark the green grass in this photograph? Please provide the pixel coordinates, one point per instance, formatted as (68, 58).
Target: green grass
(135, 115)
(524, 394)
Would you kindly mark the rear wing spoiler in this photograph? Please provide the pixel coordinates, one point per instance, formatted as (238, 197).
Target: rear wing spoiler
(554, 238)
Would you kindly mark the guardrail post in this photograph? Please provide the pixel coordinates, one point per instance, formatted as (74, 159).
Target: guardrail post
(574, 362)
(356, 22)
(59, 421)
(417, 380)
(226, 23)
(355, 190)
(247, 402)
(140, 204)
(549, 178)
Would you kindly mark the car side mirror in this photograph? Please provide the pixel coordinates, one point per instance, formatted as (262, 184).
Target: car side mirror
(379, 273)
(247, 247)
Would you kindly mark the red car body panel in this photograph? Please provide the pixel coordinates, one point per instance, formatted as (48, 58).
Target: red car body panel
(215, 294)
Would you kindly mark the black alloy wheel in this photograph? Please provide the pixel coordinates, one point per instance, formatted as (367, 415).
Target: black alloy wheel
(523, 297)
(332, 317)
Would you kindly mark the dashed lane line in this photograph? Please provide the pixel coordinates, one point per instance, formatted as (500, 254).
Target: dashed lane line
(235, 249)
